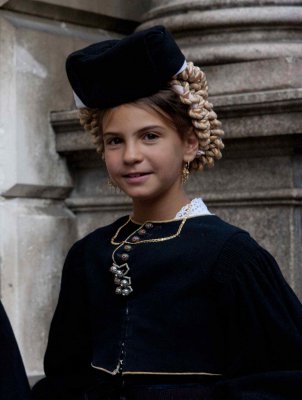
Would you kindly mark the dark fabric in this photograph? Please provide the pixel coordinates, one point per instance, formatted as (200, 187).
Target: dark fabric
(209, 301)
(113, 72)
(143, 388)
(185, 391)
(13, 381)
(153, 392)
(274, 385)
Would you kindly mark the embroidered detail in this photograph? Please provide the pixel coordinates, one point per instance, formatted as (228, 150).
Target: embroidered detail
(121, 279)
(197, 207)
(114, 372)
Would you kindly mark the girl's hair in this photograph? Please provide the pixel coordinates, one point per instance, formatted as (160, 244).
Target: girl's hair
(184, 102)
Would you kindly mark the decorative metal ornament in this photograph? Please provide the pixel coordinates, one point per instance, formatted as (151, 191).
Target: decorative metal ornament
(121, 278)
(110, 183)
(185, 173)
(113, 185)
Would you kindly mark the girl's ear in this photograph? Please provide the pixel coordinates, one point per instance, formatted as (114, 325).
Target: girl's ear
(190, 145)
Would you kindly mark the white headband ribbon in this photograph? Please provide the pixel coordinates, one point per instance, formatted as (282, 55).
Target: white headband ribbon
(78, 101)
(183, 67)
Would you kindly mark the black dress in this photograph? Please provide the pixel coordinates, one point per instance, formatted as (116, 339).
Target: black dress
(210, 311)
(13, 381)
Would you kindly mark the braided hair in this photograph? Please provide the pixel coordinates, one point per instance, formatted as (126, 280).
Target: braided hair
(192, 88)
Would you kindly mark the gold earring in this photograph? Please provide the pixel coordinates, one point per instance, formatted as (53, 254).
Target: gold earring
(113, 185)
(110, 183)
(185, 173)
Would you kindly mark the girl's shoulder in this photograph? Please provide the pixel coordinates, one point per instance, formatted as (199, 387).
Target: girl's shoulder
(99, 236)
(240, 255)
(214, 229)
(236, 251)
(106, 230)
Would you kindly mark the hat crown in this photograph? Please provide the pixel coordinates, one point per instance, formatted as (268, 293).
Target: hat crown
(112, 72)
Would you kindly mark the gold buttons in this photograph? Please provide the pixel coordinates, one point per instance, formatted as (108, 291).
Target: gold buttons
(123, 256)
(127, 247)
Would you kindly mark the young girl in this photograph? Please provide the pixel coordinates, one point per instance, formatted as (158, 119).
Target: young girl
(169, 302)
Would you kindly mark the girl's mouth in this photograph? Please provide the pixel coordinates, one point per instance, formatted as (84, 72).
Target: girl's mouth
(136, 174)
(137, 177)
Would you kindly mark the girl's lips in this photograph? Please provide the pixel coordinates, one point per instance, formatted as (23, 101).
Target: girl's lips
(137, 177)
(136, 174)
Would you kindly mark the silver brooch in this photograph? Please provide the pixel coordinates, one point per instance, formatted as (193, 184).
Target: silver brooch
(121, 279)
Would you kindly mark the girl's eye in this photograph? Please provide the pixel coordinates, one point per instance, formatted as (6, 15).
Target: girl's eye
(150, 136)
(111, 141)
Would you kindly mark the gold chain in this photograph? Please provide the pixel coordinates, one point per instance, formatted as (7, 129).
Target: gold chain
(150, 240)
(118, 231)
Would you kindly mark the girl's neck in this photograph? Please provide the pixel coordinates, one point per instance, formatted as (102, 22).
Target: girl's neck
(158, 209)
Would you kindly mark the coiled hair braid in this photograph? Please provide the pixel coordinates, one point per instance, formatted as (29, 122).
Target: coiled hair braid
(90, 119)
(192, 88)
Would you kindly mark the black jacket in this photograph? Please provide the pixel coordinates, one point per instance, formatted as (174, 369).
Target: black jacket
(209, 302)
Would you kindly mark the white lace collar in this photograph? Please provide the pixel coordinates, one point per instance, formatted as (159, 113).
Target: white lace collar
(197, 207)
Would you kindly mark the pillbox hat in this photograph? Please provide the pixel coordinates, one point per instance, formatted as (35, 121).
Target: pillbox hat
(113, 72)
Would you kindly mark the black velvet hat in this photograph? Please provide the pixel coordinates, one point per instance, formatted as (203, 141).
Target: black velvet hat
(114, 72)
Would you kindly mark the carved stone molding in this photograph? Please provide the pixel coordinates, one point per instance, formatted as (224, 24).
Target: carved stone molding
(275, 197)
(277, 113)
(218, 32)
(92, 15)
(164, 7)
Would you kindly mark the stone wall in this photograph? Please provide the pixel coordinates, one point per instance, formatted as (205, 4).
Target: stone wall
(54, 187)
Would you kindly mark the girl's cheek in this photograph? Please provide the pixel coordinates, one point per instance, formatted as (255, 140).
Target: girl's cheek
(111, 161)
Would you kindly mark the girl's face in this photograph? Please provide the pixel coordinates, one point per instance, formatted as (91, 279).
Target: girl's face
(144, 154)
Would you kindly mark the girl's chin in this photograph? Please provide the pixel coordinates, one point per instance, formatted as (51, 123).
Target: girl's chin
(139, 194)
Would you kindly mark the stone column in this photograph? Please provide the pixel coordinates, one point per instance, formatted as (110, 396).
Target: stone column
(251, 52)
(226, 31)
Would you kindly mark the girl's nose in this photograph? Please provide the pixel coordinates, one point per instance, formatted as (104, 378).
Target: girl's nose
(132, 154)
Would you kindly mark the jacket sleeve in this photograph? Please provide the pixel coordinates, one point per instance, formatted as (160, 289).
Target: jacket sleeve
(68, 354)
(13, 381)
(263, 325)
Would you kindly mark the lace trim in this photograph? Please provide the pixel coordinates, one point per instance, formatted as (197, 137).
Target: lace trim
(197, 207)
